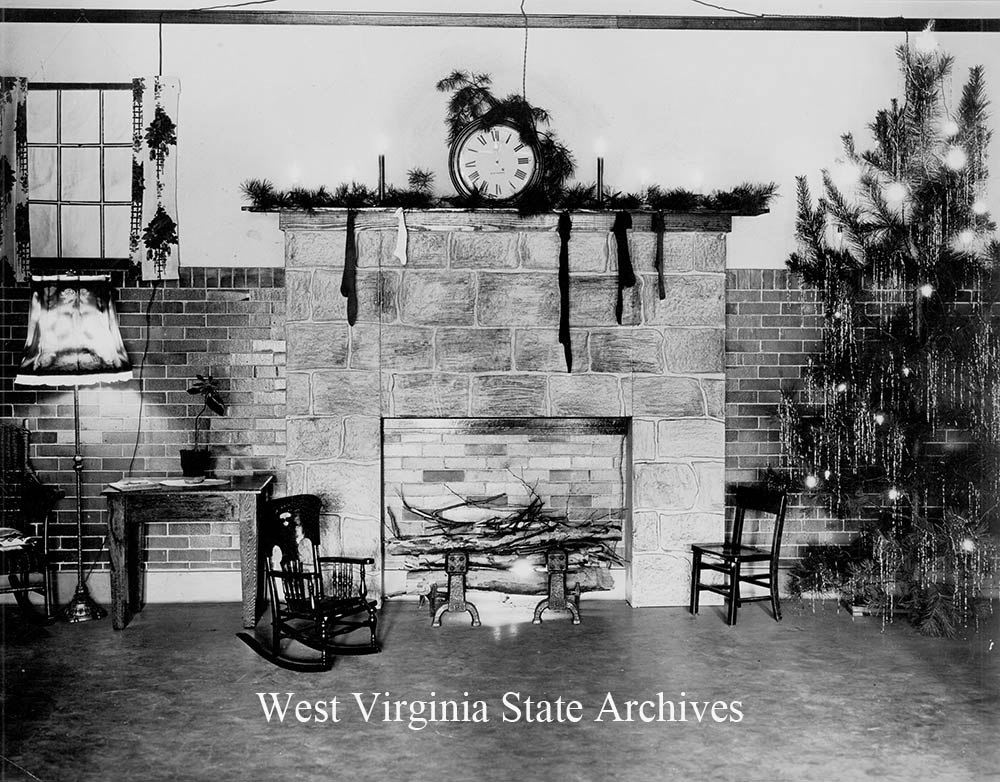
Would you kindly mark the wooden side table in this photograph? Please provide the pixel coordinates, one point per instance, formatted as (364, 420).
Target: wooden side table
(237, 500)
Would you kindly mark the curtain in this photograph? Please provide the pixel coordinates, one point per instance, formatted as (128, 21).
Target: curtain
(15, 244)
(153, 240)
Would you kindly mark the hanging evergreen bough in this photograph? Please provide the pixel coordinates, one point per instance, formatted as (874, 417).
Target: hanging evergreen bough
(746, 199)
(898, 420)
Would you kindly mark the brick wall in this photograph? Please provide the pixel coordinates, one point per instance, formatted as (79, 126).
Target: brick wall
(232, 320)
(227, 321)
(772, 327)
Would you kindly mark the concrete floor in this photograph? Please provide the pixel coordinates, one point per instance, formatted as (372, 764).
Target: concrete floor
(822, 696)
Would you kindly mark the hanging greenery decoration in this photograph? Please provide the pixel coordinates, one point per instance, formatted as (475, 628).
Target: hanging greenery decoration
(746, 199)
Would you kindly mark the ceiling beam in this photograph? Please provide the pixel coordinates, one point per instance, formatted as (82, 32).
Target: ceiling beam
(773, 22)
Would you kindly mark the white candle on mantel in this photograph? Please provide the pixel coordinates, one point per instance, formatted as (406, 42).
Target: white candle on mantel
(600, 147)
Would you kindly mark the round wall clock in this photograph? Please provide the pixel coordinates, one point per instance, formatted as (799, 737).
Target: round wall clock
(495, 161)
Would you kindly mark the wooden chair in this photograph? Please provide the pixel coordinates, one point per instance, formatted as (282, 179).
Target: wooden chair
(729, 558)
(25, 506)
(315, 601)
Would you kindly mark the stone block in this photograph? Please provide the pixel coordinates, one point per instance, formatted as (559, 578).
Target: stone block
(539, 350)
(437, 298)
(429, 394)
(695, 350)
(715, 396)
(686, 438)
(677, 252)
(346, 392)
(585, 395)
(298, 301)
(643, 440)
(592, 301)
(679, 530)
(369, 243)
(473, 350)
(424, 249)
(314, 248)
(642, 249)
(310, 439)
(626, 351)
(297, 394)
(347, 487)
(329, 535)
(378, 296)
(317, 345)
(295, 478)
(530, 299)
(480, 250)
(697, 300)
(708, 251)
(645, 536)
(711, 477)
(362, 437)
(392, 348)
(661, 579)
(667, 397)
(588, 251)
(361, 537)
(327, 301)
(514, 395)
(540, 250)
(665, 486)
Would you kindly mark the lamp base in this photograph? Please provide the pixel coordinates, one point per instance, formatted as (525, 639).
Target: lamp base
(82, 607)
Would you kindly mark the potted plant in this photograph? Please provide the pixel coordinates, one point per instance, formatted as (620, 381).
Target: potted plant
(194, 462)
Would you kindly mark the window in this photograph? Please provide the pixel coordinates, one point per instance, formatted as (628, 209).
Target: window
(80, 172)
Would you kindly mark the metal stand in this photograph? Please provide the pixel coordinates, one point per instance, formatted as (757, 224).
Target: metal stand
(456, 565)
(556, 563)
(82, 607)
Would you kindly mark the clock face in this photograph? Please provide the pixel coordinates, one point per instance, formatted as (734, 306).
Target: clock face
(493, 160)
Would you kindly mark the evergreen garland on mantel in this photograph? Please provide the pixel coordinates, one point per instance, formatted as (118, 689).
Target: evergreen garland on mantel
(747, 199)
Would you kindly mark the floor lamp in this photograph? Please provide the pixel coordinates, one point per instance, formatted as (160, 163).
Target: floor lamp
(73, 340)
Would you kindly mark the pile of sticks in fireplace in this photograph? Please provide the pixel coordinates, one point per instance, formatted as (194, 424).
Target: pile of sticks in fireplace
(507, 543)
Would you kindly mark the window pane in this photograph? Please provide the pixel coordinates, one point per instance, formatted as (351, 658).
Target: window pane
(116, 228)
(81, 231)
(117, 174)
(118, 116)
(42, 173)
(43, 230)
(80, 117)
(42, 116)
(81, 174)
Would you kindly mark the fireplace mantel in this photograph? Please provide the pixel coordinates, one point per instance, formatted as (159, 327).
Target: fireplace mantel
(469, 328)
(499, 220)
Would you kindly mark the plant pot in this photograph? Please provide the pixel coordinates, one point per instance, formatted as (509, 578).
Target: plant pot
(195, 463)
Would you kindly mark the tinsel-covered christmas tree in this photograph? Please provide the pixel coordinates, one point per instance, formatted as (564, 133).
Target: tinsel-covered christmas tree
(897, 423)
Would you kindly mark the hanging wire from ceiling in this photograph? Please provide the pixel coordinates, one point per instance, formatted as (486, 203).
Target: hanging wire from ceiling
(234, 5)
(524, 61)
(730, 10)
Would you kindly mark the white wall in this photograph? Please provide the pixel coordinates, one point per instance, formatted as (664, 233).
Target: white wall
(311, 105)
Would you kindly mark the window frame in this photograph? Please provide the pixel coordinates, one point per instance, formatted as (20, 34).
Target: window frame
(78, 263)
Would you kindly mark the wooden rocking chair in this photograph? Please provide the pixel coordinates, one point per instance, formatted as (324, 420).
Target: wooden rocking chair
(315, 601)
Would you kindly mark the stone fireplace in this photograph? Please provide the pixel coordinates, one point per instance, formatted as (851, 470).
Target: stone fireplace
(468, 329)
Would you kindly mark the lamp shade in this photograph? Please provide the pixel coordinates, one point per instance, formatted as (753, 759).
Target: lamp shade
(73, 337)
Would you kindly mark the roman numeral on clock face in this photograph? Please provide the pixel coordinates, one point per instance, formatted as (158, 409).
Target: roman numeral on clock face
(496, 135)
(520, 174)
(523, 161)
(519, 147)
(474, 176)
